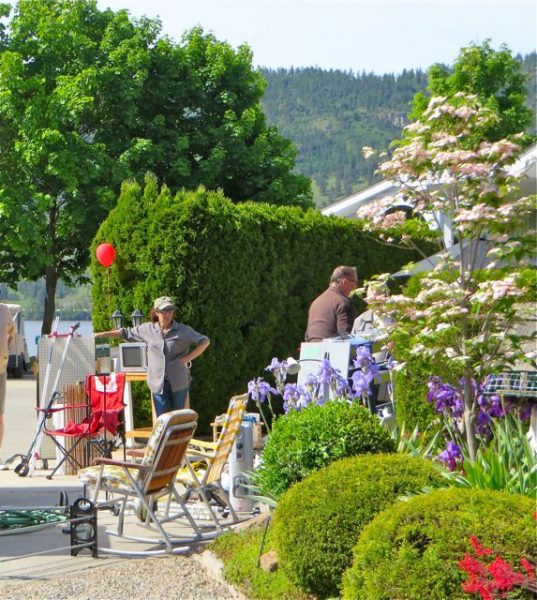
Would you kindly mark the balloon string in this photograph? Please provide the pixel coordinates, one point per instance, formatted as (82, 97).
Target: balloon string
(108, 290)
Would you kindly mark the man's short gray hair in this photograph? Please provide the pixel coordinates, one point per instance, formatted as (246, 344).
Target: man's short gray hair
(343, 272)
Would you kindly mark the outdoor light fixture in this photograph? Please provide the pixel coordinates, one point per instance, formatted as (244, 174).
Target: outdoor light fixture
(137, 317)
(117, 319)
(293, 365)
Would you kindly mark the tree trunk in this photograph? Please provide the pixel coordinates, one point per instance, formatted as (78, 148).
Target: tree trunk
(51, 280)
(469, 417)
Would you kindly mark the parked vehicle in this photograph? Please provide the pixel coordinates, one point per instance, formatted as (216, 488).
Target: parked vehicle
(19, 359)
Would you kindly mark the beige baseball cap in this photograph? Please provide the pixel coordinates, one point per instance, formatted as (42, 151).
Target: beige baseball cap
(163, 302)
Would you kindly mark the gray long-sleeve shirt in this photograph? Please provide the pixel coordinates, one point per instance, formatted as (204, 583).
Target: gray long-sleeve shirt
(164, 352)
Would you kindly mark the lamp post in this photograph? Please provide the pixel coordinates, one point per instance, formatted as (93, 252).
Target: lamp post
(117, 319)
(137, 317)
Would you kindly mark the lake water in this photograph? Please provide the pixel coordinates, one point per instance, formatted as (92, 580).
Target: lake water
(32, 331)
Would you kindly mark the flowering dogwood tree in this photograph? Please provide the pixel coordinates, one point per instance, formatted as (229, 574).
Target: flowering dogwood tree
(464, 317)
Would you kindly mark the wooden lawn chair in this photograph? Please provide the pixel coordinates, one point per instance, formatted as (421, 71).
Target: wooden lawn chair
(148, 480)
(206, 481)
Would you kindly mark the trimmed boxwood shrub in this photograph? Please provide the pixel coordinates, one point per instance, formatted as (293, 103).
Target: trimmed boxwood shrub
(318, 521)
(303, 441)
(411, 550)
(239, 551)
(243, 274)
(410, 391)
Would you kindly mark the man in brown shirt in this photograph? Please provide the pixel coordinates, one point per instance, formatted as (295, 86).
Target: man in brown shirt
(332, 313)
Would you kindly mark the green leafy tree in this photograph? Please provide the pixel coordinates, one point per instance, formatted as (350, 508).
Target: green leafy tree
(89, 98)
(495, 77)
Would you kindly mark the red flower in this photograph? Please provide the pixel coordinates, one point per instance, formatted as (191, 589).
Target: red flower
(492, 580)
(528, 568)
(505, 577)
(478, 548)
(471, 565)
(478, 586)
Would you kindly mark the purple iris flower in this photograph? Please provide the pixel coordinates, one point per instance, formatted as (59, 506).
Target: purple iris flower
(360, 384)
(433, 385)
(278, 370)
(259, 389)
(325, 372)
(264, 390)
(451, 455)
(275, 364)
(311, 380)
(363, 357)
(342, 387)
(482, 422)
(252, 389)
(496, 408)
(446, 398)
(304, 398)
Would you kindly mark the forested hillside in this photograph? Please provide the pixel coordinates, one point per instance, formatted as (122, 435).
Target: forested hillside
(331, 115)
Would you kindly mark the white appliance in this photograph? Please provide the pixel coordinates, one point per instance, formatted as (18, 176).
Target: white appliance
(132, 357)
(241, 460)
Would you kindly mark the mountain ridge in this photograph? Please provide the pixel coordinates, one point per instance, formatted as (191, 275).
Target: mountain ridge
(331, 114)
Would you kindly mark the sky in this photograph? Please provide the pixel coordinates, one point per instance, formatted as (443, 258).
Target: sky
(380, 36)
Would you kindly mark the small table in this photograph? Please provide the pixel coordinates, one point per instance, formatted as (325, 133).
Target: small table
(141, 432)
(130, 432)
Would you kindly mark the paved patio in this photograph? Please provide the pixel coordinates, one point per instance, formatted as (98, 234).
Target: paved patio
(43, 555)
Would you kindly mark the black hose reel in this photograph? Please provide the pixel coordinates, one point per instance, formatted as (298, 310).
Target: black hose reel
(83, 528)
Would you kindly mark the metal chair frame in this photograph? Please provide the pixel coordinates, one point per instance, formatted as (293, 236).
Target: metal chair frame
(215, 455)
(147, 483)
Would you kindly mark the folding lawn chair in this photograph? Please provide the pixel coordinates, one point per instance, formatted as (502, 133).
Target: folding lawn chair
(148, 480)
(205, 480)
(104, 394)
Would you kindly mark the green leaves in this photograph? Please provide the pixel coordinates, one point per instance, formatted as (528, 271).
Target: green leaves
(508, 463)
(90, 98)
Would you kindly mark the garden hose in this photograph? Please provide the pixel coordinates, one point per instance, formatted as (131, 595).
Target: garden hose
(19, 519)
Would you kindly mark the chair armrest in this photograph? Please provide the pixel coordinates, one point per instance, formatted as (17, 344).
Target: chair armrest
(100, 460)
(136, 452)
(61, 407)
(201, 445)
(193, 453)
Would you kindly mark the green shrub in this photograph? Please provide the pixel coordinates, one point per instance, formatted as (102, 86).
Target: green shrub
(410, 393)
(411, 550)
(318, 521)
(303, 441)
(239, 551)
(241, 274)
(141, 404)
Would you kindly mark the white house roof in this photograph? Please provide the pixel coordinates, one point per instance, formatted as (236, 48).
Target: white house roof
(347, 207)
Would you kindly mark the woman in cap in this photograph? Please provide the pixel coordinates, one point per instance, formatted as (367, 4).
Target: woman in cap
(171, 346)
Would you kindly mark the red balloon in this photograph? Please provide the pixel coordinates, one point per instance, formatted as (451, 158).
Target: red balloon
(106, 254)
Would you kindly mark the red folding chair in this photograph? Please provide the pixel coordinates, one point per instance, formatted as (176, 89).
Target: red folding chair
(104, 408)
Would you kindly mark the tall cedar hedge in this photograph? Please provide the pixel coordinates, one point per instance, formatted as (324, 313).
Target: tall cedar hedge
(243, 274)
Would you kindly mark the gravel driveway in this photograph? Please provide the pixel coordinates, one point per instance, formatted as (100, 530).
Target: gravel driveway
(169, 577)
